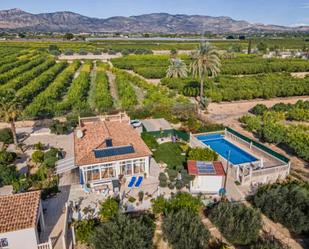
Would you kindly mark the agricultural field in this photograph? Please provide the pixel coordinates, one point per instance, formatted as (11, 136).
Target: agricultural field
(285, 125)
(41, 45)
(119, 45)
(155, 66)
(242, 77)
(295, 43)
(48, 88)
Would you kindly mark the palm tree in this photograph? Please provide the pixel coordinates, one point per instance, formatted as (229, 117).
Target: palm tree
(205, 63)
(173, 53)
(10, 110)
(177, 69)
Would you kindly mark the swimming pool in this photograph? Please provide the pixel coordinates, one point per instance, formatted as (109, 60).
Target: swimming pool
(220, 145)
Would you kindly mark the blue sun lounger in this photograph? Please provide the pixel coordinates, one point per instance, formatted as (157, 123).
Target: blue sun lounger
(132, 181)
(138, 182)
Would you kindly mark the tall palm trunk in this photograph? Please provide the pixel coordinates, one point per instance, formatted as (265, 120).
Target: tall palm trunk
(13, 128)
(201, 91)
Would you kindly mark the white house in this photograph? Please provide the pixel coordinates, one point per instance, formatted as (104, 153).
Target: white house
(107, 150)
(209, 177)
(21, 220)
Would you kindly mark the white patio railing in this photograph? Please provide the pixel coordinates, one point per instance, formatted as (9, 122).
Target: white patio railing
(46, 245)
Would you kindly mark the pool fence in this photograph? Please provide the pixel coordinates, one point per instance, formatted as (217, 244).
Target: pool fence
(245, 173)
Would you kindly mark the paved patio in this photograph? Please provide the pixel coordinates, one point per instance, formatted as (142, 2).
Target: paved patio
(92, 200)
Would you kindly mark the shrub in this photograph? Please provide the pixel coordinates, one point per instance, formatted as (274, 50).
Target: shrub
(97, 52)
(131, 199)
(140, 195)
(186, 178)
(159, 205)
(171, 186)
(285, 203)
(208, 127)
(202, 154)
(252, 123)
(55, 52)
(68, 52)
(50, 187)
(124, 232)
(186, 201)
(83, 52)
(268, 242)
(109, 208)
(51, 157)
(38, 146)
(72, 120)
(172, 174)
(274, 132)
(84, 229)
(7, 157)
(163, 184)
(37, 156)
(150, 140)
(259, 109)
(162, 177)
(8, 174)
(58, 127)
(6, 136)
(238, 223)
(184, 230)
(179, 185)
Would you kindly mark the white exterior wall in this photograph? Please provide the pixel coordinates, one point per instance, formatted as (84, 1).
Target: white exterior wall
(21, 239)
(117, 168)
(208, 184)
(147, 165)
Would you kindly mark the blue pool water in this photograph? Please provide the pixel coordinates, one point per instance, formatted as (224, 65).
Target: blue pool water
(217, 143)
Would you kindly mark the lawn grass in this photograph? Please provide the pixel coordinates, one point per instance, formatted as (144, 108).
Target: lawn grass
(170, 153)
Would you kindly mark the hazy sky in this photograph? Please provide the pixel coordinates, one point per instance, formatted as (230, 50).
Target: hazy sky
(285, 12)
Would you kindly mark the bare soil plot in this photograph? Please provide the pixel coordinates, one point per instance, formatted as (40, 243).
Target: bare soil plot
(229, 112)
(300, 75)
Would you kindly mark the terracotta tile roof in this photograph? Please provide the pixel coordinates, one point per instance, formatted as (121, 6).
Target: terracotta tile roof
(19, 211)
(94, 136)
(193, 170)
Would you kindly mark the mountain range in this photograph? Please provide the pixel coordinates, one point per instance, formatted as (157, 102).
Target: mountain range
(19, 20)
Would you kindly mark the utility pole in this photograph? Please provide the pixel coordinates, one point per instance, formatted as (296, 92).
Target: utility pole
(227, 169)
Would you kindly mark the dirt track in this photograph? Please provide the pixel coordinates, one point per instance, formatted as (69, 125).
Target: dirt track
(229, 112)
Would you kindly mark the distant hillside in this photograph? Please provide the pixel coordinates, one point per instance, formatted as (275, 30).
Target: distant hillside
(16, 19)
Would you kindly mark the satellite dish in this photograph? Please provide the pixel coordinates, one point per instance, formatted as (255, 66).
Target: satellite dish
(79, 134)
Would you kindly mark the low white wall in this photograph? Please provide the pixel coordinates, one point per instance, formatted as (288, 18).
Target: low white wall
(211, 184)
(22, 239)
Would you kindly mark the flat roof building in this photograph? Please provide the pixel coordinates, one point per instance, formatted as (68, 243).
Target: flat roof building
(209, 176)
